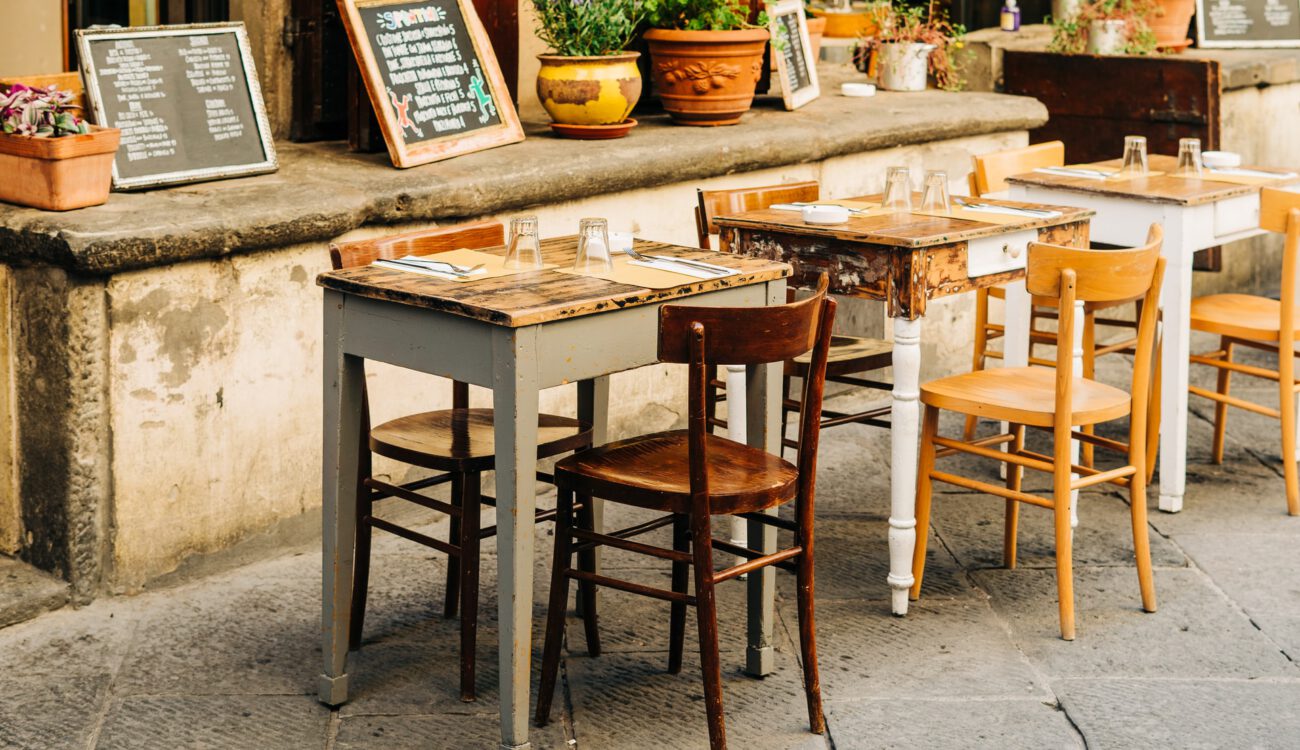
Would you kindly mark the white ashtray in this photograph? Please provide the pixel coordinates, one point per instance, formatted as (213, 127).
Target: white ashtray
(857, 89)
(620, 242)
(818, 214)
(1220, 159)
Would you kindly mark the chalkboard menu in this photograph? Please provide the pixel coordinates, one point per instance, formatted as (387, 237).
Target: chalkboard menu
(432, 77)
(795, 66)
(1248, 23)
(187, 100)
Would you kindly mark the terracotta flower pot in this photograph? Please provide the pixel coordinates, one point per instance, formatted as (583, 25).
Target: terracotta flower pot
(706, 77)
(1170, 23)
(589, 90)
(816, 29)
(58, 174)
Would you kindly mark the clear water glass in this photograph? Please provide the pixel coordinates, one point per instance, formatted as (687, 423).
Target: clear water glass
(593, 247)
(1189, 156)
(525, 250)
(898, 189)
(934, 199)
(1135, 155)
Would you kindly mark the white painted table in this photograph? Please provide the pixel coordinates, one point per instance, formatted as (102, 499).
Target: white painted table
(515, 335)
(1195, 214)
(907, 260)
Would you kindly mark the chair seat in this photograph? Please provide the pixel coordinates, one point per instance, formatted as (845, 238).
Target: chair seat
(1241, 315)
(653, 471)
(1023, 395)
(465, 440)
(848, 355)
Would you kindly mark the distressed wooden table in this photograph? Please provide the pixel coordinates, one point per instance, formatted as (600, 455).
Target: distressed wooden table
(1196, 214)
(907, 260)
(516, 335)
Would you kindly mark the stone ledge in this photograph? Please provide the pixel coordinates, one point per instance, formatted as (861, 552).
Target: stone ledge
(322, 190)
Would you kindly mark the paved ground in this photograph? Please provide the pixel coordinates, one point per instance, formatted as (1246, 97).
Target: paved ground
(231, 661)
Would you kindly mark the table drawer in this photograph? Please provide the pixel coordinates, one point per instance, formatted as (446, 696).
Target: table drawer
(1235, 215)
(1005, 252)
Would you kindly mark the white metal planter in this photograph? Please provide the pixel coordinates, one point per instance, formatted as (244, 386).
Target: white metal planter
(1107, 37)
(904, 66)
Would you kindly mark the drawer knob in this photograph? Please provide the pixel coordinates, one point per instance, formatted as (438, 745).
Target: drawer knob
(1011, 250)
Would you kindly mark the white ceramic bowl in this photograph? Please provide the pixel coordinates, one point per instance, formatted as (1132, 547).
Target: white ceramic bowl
(1220, 159)
(818, 214)
(857, 89)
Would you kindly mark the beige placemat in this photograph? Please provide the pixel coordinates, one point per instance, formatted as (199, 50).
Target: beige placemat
(987, 217)
(1235, 179)
(493, 266)
(648, 278)
(1115, 175)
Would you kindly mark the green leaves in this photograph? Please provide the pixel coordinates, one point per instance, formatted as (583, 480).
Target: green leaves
(699, 15)
(584, 28)
(43, 113)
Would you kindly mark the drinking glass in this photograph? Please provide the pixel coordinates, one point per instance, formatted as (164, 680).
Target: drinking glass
(593, 247)
(935, 197)
(1135, 155)
(898, 189)
(525, 251)
(1189, 156)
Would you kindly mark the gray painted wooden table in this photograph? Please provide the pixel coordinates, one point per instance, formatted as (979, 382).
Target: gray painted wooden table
(516, 335)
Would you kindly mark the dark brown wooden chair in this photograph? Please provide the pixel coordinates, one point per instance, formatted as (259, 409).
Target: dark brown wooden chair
(692, 475)
(458, 442)
(850, 356)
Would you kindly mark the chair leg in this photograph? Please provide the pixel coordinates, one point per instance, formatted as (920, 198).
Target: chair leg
(1087, 450)
(1286, 387)
(470, 508)
(1142, 539)
(361, 558)
(1220, 408)
(981, 344)
(807, 621)
(587, 589)
(924, 490)
(681, 582)
(711, 401)
(451, 599)
(1011, 519)
(706, 611)
(556, 609)
(1064, 533)
(1153, 414)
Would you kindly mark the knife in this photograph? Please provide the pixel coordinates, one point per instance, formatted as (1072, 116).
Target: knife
(694, 264)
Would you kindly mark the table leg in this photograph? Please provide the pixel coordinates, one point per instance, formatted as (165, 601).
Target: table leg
(343, 375)
(1176, 310)
(762, 420)
(514, 399)
(738, 431)
(593, 408)
(905, 417)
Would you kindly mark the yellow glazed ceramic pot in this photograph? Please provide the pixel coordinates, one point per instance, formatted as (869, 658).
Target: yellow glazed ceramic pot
(589, 90)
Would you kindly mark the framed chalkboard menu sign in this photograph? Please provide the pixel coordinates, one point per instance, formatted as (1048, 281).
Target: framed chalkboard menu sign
(187, 99)
(1248, 23)
(432, 77)
(795, 66)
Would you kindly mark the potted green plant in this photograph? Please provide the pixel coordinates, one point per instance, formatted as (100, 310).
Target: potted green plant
(588, 79)
(1106, 27)
(706, 58)
(913, 43)
(50, 158)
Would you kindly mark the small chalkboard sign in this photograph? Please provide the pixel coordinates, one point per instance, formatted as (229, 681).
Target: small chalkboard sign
(795, 67)
(1248, 23)
(432, 76)
(187, 100)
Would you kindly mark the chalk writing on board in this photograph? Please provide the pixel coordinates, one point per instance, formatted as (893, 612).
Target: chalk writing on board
(1245, 23)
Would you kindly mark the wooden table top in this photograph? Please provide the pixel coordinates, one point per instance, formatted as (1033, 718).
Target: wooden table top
(1162, 188)
(903, 230)
(543, 296)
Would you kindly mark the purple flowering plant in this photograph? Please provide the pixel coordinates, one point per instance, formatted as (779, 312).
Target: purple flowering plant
(39, 112)
(587, 28)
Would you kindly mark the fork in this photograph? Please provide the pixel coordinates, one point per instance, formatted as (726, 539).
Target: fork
(631, 251)
(1033, 211)
(417, 260)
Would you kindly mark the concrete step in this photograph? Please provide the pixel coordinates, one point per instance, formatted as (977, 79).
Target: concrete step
(26, 592)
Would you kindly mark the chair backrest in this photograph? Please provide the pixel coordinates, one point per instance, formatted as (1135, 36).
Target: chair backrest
(992, 170)
(1071, 275)
(714, 203)
(704, 337)
(420, 242)
(1279, 211)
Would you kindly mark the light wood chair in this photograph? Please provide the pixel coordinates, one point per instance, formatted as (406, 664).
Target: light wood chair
(459, 442)
(850, 356)
(990, 175)
(1059, 402)
(1258, 323)
(693, 476)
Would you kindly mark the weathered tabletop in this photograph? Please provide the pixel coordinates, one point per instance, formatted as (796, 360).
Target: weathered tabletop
(1161, 188)
(542, 296)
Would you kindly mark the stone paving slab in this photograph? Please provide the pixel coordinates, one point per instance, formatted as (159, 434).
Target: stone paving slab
(45, 712)
(1192, 715)
(1195, 633)
(26, 592)
(954, 724)
(167, 722)
(432, 732)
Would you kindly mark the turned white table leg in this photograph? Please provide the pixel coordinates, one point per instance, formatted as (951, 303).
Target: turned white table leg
(1017, 316)
(905, 417)
(1176, 306)
(736, 430)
